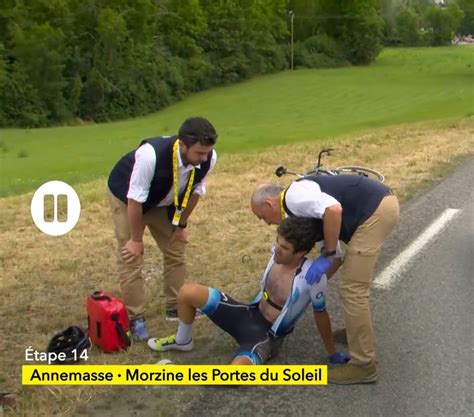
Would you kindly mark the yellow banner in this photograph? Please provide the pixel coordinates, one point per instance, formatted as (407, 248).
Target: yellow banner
(174, 375)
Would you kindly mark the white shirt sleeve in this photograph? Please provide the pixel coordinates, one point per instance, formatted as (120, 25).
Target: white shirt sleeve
(305, 199)
(201, 187)
(142, 174)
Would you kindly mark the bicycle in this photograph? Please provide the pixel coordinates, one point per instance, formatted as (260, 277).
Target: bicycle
(342, 170)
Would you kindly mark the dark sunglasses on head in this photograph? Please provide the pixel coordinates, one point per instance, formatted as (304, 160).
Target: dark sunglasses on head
(209, 139)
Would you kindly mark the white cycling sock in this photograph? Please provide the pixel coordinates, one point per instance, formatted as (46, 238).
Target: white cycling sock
(184, 333)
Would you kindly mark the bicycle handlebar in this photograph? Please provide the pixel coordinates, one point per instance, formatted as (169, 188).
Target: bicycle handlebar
(323, 151)
(280, 171)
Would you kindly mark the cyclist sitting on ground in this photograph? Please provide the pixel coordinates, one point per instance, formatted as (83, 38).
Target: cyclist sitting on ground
(259, 327)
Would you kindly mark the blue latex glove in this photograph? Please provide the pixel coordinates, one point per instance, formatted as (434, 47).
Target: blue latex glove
(339, 357)
(317, 269)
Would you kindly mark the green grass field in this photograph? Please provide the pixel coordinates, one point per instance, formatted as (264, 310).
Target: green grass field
(403, 86)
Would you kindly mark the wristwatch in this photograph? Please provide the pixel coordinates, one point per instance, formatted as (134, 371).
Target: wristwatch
(326, 253)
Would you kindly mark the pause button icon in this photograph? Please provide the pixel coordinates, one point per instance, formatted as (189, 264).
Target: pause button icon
(55, 223)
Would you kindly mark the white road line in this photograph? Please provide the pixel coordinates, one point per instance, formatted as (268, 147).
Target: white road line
(386, 278)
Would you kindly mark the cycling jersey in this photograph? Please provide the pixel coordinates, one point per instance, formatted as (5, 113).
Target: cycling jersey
(301, 295)
(258, 339)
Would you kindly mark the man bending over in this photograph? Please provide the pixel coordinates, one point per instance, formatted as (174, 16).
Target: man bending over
(259, 327)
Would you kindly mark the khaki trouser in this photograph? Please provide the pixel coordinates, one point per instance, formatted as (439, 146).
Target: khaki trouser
(131, 279)
(357, 275)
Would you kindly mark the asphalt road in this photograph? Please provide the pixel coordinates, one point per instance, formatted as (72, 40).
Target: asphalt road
(423, 325)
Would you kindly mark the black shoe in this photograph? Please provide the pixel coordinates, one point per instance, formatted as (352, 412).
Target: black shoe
(172, 314)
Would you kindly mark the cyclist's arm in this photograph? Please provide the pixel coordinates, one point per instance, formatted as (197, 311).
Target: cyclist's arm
(321, 315)
(323, 323)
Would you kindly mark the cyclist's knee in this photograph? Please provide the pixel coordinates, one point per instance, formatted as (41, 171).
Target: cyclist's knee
(247, 358)
(191, 292)
(185, 289)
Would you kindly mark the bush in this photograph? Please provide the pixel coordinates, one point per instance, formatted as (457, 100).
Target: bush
(425, 37)
(407, 27)
(444, 23)
(326, 45)
(360, 35)
(319, 51)
(20, 103)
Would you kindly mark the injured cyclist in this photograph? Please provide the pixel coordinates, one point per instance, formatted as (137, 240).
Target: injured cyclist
(259, 327)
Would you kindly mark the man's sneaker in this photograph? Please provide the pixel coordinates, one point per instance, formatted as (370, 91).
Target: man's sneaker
(138, 329)
(169, 343)
(172, 314)
(340, 336)
(351, 374)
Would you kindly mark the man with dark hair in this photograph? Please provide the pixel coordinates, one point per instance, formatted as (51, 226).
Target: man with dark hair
(158, 185)
(259, 327)
(360, 212)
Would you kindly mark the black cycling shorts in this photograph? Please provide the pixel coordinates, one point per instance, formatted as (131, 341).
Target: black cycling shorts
(244, 322)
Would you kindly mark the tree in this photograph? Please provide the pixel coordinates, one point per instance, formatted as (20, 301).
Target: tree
(7, 15)
(407, 27)
(388, 10)
(20, 104)
(41, 53)
(467, 24)
(444, 23)
(307, 18)
(243, 37)
(92, 100)
(182, 24)
(355, 25)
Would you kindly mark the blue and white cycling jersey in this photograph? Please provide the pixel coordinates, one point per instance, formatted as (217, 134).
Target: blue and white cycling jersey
(301, 295)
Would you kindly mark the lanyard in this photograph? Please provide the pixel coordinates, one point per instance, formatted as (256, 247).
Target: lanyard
(179, 209)
(282, 207)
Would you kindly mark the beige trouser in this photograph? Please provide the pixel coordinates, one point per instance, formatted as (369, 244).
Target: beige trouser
(357, 274)
(131, 279)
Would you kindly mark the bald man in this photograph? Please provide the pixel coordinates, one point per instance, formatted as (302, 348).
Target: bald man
(360, 212)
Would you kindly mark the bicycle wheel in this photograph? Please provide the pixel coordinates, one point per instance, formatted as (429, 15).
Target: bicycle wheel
(357, 170)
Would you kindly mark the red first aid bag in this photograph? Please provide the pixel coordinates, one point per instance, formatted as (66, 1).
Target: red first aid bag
(108, 322)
